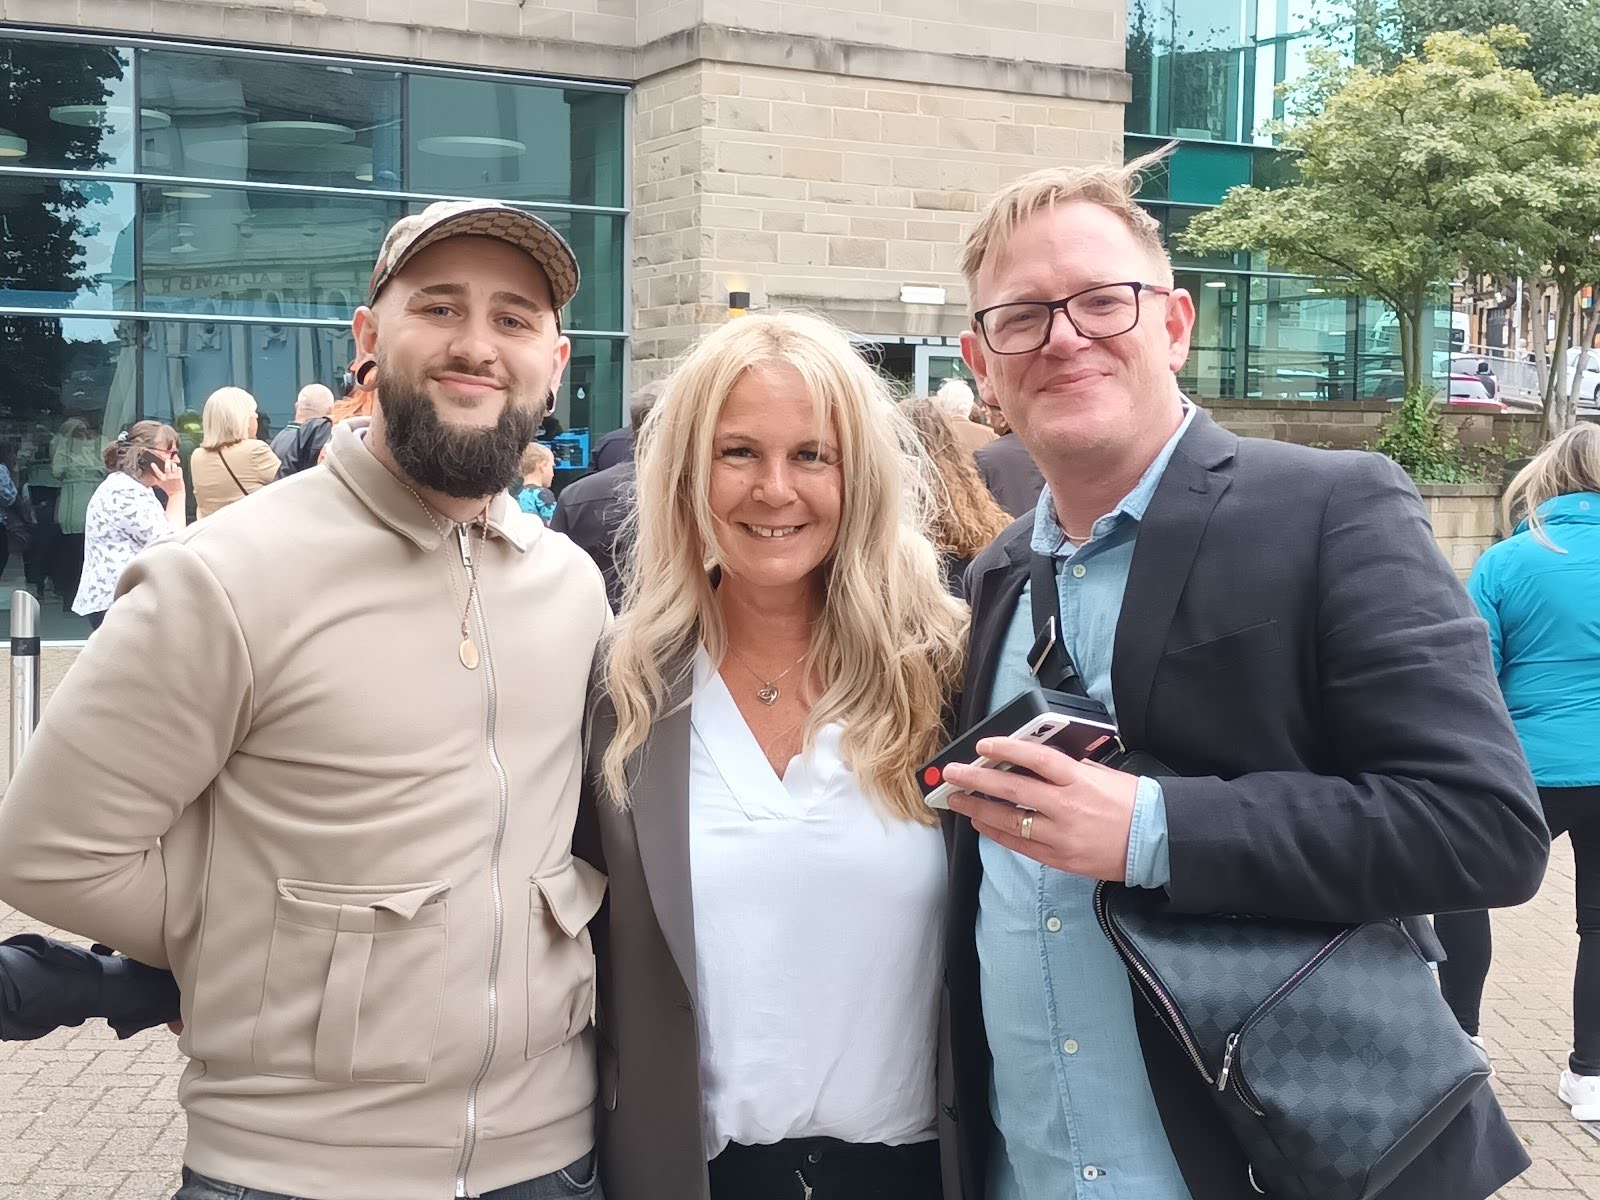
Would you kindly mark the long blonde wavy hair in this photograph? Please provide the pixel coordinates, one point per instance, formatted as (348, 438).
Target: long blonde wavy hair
(889, 641)
(1569, 463)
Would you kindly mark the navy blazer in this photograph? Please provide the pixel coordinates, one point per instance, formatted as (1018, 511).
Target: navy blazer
(1292, 644)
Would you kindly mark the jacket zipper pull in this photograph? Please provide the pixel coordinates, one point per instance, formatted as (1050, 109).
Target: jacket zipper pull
(1227, 1062)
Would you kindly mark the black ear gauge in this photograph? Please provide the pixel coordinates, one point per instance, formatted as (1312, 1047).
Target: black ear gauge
(550, 404)
(364, 370)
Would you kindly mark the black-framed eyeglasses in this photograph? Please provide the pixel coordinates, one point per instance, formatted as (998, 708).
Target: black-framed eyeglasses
(1105, 311)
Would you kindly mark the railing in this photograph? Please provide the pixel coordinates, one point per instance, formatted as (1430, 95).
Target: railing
(24, 671)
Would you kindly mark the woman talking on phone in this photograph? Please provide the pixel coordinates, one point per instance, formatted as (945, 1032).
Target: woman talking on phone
(771, 959)
(124, 515)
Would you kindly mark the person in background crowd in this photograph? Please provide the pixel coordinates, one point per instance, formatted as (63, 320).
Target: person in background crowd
(314, 401)
(538, 470)
(231, 462)
(955, 397)
(359, 865)
(357, 401)
(966, 518)
(42, 489)
(310, 442)
(11, 501)
(124, 515)
(1007, 469)
(593, 511)
(1538, 591)
(75, 461)
(617, 446)
(1274, 623)
(770, 963)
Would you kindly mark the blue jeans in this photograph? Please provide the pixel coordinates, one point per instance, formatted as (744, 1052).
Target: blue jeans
(578, 1180)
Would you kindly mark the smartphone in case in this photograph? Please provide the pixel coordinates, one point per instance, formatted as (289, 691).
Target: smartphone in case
(1074, 736)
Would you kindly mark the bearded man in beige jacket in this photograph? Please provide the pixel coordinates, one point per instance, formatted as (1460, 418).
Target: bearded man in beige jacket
(323, 760)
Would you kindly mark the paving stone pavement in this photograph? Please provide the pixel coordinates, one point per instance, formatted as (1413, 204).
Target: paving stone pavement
(86, 1117)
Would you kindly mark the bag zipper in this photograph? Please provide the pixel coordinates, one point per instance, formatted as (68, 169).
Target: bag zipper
(1153, 988)
(1169, 1009)
(470, 1142)
(1240, 1090)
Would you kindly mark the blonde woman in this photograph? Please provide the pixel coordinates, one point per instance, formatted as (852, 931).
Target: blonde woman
(1538, 591)
(967, 517)
(784, 654)
(230, 462)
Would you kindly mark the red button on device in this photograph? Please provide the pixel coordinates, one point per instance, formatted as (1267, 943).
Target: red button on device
(932, 776)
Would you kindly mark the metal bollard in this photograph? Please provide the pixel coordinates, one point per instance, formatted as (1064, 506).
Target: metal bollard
(24, 671)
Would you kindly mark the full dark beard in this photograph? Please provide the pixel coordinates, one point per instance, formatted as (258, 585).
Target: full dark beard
(464, 463)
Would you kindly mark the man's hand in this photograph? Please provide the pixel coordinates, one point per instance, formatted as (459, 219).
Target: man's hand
(1082, 812)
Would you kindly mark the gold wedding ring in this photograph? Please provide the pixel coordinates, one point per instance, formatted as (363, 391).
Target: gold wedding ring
(1027, 827)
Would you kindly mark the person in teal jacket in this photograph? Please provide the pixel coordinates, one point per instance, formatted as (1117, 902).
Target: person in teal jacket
(1539, 591)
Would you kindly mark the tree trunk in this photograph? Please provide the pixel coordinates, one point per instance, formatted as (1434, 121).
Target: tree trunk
(1566, 415)
(1556, 403)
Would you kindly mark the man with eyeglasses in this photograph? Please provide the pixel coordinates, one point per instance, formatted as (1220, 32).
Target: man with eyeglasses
(1277, 626)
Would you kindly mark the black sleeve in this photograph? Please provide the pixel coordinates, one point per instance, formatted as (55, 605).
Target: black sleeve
(1430, 806)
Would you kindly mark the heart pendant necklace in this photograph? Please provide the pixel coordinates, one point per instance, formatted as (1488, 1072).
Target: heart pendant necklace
(768, 692)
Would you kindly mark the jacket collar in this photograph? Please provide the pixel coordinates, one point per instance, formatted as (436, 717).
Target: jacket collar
(393, 503)
(1169, 537)
(1573, 508)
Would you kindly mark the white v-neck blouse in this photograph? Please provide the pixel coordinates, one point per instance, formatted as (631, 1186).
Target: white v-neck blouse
(819, 942)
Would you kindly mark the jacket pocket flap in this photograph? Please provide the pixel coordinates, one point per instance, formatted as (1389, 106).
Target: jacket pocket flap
(573, 893)
(404, 900)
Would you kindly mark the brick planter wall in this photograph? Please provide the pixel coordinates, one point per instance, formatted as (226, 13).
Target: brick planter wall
(1353, 424)
(1466, 520)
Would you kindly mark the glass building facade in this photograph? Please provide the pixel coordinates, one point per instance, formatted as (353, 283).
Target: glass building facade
(175, 218)
(1205, 74)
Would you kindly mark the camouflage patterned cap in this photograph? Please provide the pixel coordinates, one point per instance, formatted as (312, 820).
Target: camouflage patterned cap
(479, 218)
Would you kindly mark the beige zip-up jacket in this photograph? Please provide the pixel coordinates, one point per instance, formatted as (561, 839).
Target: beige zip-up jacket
(270, 770)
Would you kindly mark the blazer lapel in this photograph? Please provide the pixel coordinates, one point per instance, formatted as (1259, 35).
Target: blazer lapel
(994, 603)
(1169, 537)
(660, 792)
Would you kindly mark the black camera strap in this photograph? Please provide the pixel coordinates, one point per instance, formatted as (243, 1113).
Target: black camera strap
(1048, 660)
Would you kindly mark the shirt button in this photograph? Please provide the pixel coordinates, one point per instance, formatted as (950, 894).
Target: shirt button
(1070, 1046)
(1079, 570)
(1053, 924)
(1092, 1173)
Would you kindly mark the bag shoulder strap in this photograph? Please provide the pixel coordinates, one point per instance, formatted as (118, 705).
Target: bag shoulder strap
(1049, 660)
(223, 459)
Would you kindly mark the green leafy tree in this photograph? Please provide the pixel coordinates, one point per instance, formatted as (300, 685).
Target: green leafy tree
(1562, 51)
(1406, 180)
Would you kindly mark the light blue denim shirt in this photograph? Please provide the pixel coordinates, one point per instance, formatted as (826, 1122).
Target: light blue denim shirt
(1069, 1093)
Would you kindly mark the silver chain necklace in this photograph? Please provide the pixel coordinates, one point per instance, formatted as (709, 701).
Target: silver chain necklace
(468, 650)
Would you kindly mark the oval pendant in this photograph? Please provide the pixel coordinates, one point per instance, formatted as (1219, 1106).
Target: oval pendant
(469, 654)
(768, 695)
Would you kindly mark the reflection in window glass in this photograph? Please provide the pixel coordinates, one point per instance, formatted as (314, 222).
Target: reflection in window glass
(598, 243)
(1302, 341)
(65, 244)
(1213, 366)
(67, 106)
(185, 361)
(260, 119)
(277, 254)
(509, 141)
(590, 401)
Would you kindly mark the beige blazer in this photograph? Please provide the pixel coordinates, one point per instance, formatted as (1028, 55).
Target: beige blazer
(648, 1041)
(251, 460)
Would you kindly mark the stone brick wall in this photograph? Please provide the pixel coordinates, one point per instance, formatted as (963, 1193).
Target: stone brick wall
(1353, 425)
(1465, 518)
(825, 191)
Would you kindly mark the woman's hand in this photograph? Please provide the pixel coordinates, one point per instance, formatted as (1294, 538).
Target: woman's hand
(168, 476)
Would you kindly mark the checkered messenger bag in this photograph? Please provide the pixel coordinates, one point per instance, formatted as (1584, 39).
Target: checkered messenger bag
(1329, 1048)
